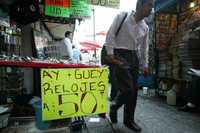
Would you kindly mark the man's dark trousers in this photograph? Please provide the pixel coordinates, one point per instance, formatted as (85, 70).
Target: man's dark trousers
(113, 82)
(126, 79)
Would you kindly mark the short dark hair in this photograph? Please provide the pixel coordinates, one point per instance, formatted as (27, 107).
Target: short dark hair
(67, 33)
(140, 4)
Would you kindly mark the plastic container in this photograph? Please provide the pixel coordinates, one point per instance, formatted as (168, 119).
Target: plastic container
(4, 120)
(38, 117)
(171, 97)
(145, 90)
(147, 81)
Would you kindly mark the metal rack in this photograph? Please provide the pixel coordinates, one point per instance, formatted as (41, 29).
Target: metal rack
(11, 78)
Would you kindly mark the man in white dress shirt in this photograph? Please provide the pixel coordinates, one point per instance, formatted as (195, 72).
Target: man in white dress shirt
(66, 47)
(128, 51)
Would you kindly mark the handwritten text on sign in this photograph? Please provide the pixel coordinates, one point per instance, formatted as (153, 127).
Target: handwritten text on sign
(73, 92)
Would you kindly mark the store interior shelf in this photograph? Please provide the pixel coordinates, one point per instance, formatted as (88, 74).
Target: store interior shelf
(44, 65)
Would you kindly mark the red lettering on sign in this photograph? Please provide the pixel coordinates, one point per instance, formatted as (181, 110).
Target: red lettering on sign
(62, 3)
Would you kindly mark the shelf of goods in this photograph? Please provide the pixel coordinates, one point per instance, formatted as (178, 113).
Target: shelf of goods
(11, 79)
(165, 30)
(177, 39)
(43, 64)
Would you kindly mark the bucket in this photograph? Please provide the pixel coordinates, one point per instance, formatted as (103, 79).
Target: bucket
(4, 120)
(171, 97)
(145, 90)
(38, 117)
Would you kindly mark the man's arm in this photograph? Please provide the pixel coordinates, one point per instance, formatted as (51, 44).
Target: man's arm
(145, 53)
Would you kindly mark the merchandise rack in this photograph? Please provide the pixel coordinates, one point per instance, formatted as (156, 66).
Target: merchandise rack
(44, 65)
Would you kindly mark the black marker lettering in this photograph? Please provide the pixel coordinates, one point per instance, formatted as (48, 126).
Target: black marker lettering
(101, 86)
(45, 73)
(92, 86)
(46, 87)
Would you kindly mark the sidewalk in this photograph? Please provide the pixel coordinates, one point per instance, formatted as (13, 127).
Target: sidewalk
(152, 114)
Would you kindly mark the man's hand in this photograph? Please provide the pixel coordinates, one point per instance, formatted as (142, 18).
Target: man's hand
(146, 71)
(113, 60)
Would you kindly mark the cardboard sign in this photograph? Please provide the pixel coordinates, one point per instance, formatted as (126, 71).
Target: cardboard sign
(73, 92)
(57, 8)
(106, 3)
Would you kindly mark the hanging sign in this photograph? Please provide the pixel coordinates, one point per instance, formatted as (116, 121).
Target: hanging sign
(57, 8)
(73, 92)
(106, 3)
(80, 8)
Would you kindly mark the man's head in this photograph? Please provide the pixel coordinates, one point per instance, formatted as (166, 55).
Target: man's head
(144, 7)
(68, 33)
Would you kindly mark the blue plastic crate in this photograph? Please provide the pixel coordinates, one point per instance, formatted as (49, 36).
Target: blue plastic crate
(146, 81)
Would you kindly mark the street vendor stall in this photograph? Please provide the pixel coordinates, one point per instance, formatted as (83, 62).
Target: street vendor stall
(67, 90)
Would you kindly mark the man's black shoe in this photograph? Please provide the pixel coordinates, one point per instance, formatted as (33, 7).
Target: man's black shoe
(186, 108)
(113, 114)
(133, 126)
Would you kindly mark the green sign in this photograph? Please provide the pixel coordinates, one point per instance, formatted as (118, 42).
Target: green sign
(106, 3)
(67, 8)
(57, 11)
(58, 8)
(79, 8)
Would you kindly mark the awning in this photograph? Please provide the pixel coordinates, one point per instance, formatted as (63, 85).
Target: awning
(87, 49)
(90, 44)
(101, 33)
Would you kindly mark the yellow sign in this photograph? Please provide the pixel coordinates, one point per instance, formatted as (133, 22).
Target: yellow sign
(73, 92)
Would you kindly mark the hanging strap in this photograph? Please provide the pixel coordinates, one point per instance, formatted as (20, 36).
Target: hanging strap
(117, 32)
(104, 60)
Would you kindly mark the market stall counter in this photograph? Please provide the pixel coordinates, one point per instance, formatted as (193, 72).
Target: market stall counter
(69, 90)
(43, 64)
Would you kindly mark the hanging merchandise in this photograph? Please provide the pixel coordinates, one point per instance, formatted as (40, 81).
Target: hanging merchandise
(177, 41)
(57, 8)
(25, 11)
(11, 78)
(166, 28)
